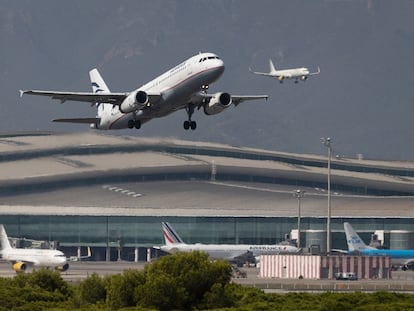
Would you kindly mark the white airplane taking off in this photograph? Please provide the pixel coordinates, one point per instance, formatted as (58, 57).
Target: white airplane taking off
(182, 87)
(295, 73)
(20, 257)
(174, 243)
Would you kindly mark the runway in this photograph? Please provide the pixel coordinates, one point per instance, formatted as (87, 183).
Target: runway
(402, 281)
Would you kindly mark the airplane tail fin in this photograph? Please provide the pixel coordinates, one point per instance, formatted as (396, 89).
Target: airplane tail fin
(170, 235)
(98, 86)
(5, 244)
(355, 243)
(272, 67)
(98, 83)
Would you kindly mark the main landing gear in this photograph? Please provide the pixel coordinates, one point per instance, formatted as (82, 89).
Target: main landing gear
(134, 123)
(189, 123)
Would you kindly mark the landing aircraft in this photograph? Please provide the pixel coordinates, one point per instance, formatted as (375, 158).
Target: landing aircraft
(174, 243)
(21, 257)
(182, 87)
(295, 73)
(400, 258)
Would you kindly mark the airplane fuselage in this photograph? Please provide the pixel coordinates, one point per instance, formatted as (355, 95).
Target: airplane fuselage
(398, 257)
(292, 73)
(230, 251)
(39, 257)
(176, 87)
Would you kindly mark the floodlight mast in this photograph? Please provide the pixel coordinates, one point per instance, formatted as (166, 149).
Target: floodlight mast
(328, 144)
(298, 194)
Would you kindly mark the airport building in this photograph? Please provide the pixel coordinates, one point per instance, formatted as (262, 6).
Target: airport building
(111, 193)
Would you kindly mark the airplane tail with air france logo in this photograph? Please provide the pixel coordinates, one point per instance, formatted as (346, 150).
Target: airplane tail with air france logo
(170, 235)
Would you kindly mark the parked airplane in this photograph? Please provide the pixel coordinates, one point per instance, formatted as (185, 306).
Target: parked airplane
(79, 257)
(182, 87)
(295, 73)
(174, 243)
(401, 258)
(21, 257)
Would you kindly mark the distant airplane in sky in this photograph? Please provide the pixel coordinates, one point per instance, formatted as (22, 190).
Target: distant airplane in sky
(20, 257)
(182, 87)
(174, 243)
(295, 73)
(399, 257)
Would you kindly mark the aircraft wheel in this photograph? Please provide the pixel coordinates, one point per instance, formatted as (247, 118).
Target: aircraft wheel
(193, 125)
(137, 124)
(131, 124)
(186, 125)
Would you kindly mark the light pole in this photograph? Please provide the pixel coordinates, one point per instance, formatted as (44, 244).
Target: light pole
(298, 194)
(327, 143)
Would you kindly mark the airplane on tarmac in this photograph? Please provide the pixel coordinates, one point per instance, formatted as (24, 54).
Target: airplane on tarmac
(182, 87)
(400, 257)
(295, 73)
(174, 243)
(21, 257)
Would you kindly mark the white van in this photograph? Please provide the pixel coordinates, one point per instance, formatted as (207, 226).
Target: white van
(346, 276)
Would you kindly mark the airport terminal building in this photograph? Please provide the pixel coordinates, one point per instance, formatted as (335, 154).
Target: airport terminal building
(112, 193)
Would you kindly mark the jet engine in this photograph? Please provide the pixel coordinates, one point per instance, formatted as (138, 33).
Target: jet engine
(134, 101)
(19, 266)
(62, 268)
(304, 78)
(218, 102)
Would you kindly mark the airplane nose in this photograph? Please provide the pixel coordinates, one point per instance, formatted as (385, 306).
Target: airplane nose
(220, 66)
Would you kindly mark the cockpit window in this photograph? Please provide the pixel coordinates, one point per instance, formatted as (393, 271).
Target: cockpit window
(209, 57)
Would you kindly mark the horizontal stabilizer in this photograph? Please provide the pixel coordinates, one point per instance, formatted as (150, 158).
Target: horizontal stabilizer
(79, 120)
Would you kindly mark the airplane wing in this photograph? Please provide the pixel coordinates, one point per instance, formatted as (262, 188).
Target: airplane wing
(341, 251)
(200, 98)
(113, 98)
(267, 74)
(238, 99)
(89, 97)
(316, 72)
(79, 120)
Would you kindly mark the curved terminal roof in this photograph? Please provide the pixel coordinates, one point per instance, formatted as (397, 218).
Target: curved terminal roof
(173, 177)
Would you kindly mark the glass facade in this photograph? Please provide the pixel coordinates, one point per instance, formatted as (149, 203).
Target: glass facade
(129, 232)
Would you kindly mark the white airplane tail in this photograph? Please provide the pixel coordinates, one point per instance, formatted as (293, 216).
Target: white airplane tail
(98, 83)
(98, 86)
(355, 243)
(170, 235)
(272, 67)
(5, 244)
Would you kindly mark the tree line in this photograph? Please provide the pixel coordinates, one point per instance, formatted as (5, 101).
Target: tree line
(183, 281)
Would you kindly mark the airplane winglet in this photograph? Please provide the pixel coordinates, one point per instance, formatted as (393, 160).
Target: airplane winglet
(21, 93)
(316, 72)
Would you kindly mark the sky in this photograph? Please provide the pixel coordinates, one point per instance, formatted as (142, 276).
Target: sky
(363, 99)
